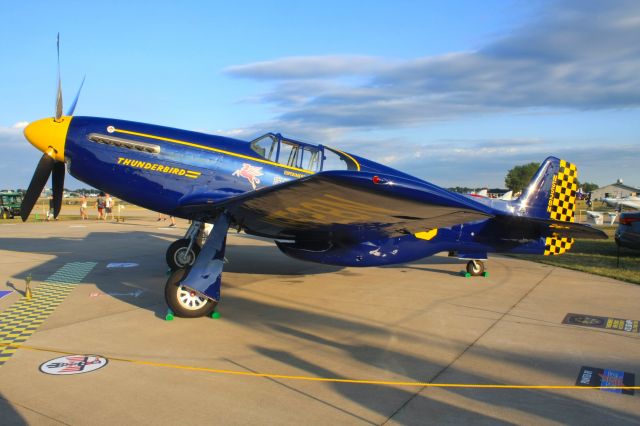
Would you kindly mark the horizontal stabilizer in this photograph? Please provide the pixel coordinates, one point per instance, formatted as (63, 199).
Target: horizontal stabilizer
(522, 227)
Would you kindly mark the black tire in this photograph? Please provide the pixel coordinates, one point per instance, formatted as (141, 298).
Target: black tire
(185, 303)
(177, 256)
(475, 267)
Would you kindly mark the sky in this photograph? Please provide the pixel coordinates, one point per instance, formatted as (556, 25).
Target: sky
(454, 92)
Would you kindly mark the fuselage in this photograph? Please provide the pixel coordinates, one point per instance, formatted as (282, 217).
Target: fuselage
(156, 167)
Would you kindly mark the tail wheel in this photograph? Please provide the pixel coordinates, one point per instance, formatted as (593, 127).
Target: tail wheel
(475, 267)
(179, 256)
(184, 302)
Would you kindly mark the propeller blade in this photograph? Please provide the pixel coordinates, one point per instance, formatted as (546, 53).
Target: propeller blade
(58, 186)
(39, 179)
(75, 101)
(59, 97)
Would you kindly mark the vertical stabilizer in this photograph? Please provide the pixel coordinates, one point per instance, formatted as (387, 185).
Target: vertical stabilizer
(551, 194)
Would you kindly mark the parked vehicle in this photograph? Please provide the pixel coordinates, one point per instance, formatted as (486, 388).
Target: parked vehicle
(10, 204)
(628, 232)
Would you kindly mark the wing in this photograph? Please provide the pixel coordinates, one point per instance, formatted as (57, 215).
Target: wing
(343, 204)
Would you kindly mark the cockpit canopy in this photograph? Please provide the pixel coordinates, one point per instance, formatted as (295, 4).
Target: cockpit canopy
(292, 153)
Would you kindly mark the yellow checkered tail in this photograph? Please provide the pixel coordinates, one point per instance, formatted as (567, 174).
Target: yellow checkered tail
(562, 205)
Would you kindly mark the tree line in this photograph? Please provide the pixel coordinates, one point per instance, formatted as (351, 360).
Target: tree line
(519, 177)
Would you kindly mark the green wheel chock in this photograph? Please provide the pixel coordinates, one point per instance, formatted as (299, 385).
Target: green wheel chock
(485, 274)
(169, 316)
(467, 275)
(215, 315)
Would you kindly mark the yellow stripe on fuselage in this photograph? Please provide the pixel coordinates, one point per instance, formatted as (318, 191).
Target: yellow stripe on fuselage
(208, 148)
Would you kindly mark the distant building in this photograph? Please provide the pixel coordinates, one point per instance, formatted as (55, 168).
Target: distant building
(615, 190)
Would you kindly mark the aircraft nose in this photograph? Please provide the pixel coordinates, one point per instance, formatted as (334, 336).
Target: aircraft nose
(49, 136)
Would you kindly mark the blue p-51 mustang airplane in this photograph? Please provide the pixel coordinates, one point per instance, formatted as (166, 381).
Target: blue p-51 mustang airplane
(318, 203)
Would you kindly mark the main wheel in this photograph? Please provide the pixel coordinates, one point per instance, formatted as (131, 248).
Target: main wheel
(184, 302)
(475, 267)
(179, 257)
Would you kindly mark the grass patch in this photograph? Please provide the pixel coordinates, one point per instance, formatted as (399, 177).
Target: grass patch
(596, 257)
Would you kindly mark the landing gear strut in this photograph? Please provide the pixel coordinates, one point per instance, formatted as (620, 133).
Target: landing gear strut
(182, 253)
(475, 267)
(194, 291)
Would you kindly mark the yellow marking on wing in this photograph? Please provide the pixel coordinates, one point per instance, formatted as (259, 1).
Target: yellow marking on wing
(208, 148)
(428, 235)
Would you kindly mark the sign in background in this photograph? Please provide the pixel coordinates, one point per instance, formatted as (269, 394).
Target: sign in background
(631, 326)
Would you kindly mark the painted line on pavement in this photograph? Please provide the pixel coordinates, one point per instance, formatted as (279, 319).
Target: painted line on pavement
(331, 379)
(22, 319)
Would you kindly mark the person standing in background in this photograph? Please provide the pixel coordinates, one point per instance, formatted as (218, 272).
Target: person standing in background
(108, 207)
(100, 206)
(83, 208)
(50, 212)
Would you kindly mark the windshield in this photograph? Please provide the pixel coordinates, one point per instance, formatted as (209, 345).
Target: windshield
(288, 152)
(300, 155)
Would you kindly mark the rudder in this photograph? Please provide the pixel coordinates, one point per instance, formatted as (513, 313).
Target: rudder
(551, 194)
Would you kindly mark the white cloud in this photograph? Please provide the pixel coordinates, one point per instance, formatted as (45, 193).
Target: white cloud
(12, 136)
(578, 55)
(305, 67)
(20, 125)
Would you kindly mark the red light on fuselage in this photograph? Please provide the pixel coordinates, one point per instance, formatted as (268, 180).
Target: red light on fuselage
(376, 179)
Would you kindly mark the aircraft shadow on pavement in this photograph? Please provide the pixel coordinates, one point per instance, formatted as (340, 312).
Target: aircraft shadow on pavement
(389, 401)
(9, 415)
(147, 250)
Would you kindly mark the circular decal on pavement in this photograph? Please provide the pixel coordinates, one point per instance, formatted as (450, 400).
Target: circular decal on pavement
(73, 364)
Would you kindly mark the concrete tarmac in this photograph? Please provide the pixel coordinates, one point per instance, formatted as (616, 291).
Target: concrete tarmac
(418, 322)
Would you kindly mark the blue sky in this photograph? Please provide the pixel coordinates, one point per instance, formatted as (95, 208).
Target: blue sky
(454, 92)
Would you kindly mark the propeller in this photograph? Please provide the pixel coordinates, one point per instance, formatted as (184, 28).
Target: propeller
(39, 179)
(57, 178)
(59, 95)
(75, 101)
(50, 163)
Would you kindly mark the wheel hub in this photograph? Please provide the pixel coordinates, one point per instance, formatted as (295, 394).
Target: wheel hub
(190, 300)
(184, 257)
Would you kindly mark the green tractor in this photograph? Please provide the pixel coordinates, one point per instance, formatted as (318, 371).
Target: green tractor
(10, 204)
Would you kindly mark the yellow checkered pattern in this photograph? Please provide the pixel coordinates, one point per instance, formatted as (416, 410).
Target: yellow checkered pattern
(24, 317)
(562, 206)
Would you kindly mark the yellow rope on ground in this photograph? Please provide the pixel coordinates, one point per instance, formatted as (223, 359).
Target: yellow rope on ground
(328, 379)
